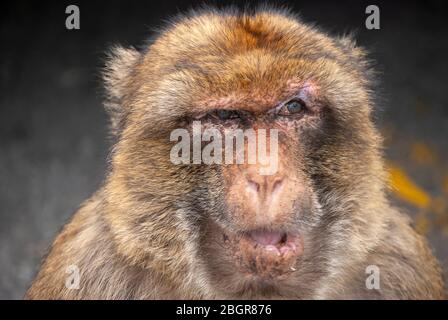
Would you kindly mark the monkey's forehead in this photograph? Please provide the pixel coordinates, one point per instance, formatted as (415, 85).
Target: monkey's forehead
(241, 49)
(220, 36)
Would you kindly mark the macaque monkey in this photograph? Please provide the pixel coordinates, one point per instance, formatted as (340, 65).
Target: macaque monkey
(310, 230)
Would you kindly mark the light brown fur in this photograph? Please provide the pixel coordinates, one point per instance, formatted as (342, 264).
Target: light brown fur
(153, 231)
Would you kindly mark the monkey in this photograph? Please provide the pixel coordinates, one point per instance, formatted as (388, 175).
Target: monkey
(159, 230)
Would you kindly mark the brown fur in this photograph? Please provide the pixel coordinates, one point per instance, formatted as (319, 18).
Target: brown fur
(154, 229)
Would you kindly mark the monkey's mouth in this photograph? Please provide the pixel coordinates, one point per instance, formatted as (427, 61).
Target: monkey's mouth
(265, 254)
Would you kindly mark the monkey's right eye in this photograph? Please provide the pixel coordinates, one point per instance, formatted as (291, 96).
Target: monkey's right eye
(224, 114)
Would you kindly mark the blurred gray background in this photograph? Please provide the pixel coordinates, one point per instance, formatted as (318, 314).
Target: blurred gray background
(53, 129)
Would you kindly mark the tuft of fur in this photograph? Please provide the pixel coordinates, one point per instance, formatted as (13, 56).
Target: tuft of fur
(146, 233)
(117, 77)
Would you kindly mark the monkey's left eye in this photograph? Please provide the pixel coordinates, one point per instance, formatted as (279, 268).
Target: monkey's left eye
(293, 107)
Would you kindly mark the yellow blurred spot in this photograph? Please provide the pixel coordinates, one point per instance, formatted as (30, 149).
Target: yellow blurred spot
(422, 154)
(422, 224)
(406, 189)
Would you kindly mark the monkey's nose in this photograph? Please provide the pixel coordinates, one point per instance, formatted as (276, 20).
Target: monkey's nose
(264, 188)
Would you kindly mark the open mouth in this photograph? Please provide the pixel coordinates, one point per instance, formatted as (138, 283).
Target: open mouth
(265, 254)
(279, 243)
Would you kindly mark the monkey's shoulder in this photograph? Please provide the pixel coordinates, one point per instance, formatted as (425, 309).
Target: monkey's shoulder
(406, 264)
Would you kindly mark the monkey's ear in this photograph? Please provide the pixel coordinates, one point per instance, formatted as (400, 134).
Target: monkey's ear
(119, 66)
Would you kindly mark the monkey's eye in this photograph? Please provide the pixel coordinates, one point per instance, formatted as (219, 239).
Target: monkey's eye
(223, 114)
(293, 107)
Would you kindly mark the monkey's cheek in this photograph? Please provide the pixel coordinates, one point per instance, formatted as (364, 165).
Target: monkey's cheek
(268, 262)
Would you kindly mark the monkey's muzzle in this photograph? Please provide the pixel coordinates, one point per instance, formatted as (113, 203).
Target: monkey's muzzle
(265, 254)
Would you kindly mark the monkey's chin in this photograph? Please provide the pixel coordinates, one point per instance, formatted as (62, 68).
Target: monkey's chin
(265, 255)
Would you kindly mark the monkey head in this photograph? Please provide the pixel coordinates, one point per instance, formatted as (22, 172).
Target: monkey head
(228, 225)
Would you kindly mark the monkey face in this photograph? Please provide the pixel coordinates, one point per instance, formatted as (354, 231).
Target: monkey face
(261, 214)
(260, 218)
(267, 73)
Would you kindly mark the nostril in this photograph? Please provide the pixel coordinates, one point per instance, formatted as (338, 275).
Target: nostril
(252, 185)
(276, 186)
